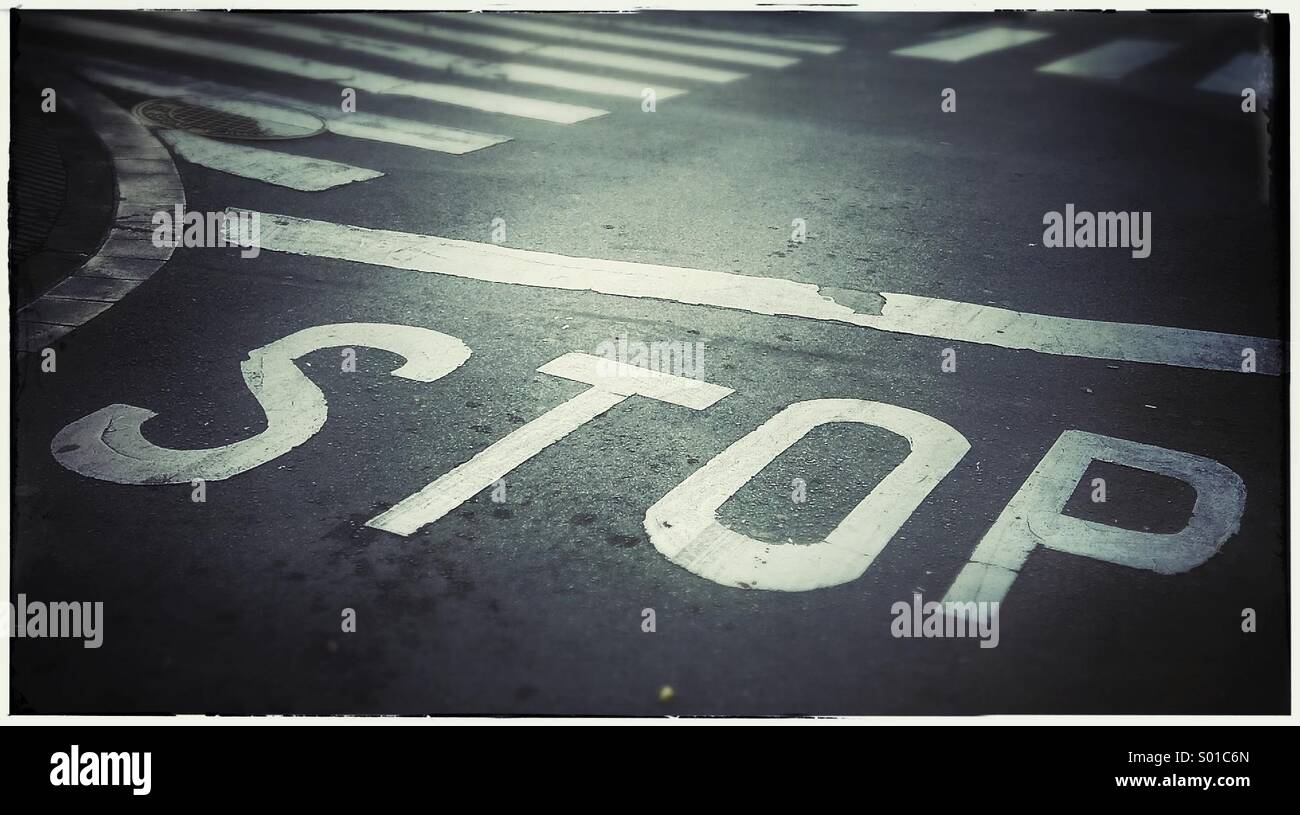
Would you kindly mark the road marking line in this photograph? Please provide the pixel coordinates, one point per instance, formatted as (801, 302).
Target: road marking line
(611, 382)
(684, 527)
(1114, 60)
(514, 22)
(408, 133)
(738, 38)
(506, 104)
(367, 126)
(108, 444)
(427, 28)
(977, 43)
(585, 56)
(270, 166)
(902, 313)
(492, 463)
(342, 75)
(431, 59)
(649, 65)
(1249, 69)
(1035, 516)
(586, 83)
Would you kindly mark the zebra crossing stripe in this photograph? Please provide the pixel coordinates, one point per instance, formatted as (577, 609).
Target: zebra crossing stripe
(431, 59)
(584, 56)
(431, 30)
(1249, 69)
(974, 44)
(585, 83)
(405, 132)
(342, 75)
(902, 313)
(512, 22)
(489, 101)
(738, 38)
(647, 65)
(1113, 60)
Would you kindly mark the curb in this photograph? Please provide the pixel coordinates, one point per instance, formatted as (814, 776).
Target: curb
(146, 181)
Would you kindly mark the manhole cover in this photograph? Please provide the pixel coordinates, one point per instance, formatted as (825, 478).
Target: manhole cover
(229, 118)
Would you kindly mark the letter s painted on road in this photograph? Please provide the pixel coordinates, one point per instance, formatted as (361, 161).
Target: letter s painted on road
(109, 446)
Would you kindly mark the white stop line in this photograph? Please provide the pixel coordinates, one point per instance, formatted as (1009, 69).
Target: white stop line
(902, 313)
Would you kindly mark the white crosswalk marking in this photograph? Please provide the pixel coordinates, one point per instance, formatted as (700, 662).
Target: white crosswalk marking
(902, 313)
(341, 75)
(585, 56)
(1248, 69)
(271, 166)
(460, 96)
(649, 65)
(367, 126)
(516, 22)
(411, 134)
(974, 44)
(585, 83)
(431, 30)
(738, 38)
(1114, 60)
(431, 59)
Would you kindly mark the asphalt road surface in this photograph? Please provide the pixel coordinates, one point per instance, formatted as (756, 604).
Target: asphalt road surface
(826, 159)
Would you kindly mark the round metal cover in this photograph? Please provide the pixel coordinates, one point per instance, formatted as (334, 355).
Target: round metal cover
(229, 118)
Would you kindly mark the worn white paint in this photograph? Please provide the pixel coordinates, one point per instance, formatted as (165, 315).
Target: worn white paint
(137, 35)
(582, 83)
(631, 63)
(1249, 69)
(611, 383)
(480, 472)
(631, 380)
(585, 56)
(1113, 60)
(270, 166)
(428, 58)
(431, 30)
(683, 525)
(109, 444)
(409, 133)
(902, 313)
(357, 125)
(1033, 516)
(341, 75)
(738, 38)
(523, 107)
(657, 45)
(974, 44)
